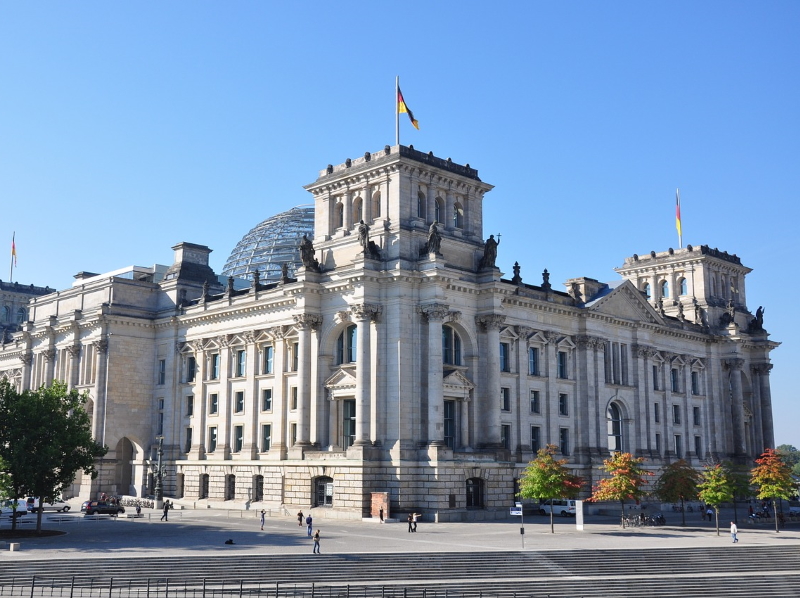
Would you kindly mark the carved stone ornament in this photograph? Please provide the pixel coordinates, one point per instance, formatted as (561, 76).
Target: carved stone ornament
(453, 316)
(307, 320)
(343, 316)
(733, 363)
(524, 332)
(27, 359)
(588, 341)
(435, 312)
(551, 337)
(49, 354)
(74, 350)
(250, 336)
(101, 345)
(197, 346)
(224, 340)
(362, 312)
(490, 321)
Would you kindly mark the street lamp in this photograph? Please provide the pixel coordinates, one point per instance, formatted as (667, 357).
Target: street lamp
(160, 472)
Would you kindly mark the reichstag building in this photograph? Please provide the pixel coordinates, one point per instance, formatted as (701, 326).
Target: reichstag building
(365, 352)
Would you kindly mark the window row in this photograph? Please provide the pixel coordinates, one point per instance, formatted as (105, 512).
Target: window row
(266, 366)
(681, 286)
(239, 402)
(676, 381)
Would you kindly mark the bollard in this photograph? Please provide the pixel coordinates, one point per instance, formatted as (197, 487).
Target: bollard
(13, 547)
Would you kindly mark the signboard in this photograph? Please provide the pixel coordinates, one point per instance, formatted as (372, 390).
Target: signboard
(516, 510)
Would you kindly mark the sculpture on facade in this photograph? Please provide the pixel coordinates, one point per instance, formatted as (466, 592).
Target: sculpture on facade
(434, 239)
(729, 315)
(307, 257)
(371, 249)
(757, 324)
(489, 253)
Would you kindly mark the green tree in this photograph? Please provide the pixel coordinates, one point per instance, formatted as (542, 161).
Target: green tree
(678, 483)
(625, 482)
(791, 456)
(548, 478)
(773, 479)
(45, 439)
(716, 487)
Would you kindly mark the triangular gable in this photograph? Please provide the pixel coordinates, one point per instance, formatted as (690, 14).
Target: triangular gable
(698, 364)
(658, 357)
(537, 338)
(626, 302)
(457, 383)
(342, 379)
(566, 342)
(508, 332)
(678, 360)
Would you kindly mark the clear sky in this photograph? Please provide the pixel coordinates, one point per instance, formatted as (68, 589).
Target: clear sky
(126, 128)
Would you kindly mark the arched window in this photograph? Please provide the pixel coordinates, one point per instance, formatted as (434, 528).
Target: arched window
(339, 215)
(614, 416)
(664, 289)
(376, 205)
(437, 208)
(646, 290)
(22, 315)
(458, 216)
(451, 346)
(6, 314)
(682, 286)
(346, 346)
(421, 205)
(358, 210)
(474, 492)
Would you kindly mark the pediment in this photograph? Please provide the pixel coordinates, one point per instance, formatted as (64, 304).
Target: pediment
(342, 379)
(626, 302)
(456, 383)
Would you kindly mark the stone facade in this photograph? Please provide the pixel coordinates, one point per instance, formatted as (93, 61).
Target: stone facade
(399, 360)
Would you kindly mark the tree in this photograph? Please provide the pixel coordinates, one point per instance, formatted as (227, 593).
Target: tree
(678, 483)
(716, 487)
(45, 439)
(773, 479)
(791, 456)
(546, 477)
(627, 478)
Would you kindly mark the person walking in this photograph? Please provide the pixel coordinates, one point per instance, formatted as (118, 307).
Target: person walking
(734, 531)
(263, 516)
(315, 550)
(309, 522)
(381, 515)
(138, 510)
(410, 523)
(414, 519)
(300, 519)
(165, 516)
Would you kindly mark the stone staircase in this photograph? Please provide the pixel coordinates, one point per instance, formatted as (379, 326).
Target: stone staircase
(730, 571)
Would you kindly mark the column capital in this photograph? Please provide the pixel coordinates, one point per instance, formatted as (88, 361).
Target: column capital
(74, 350)
(49, 354)
(27, 359)
(363, 312)
(644, 351)
(524, 332)
(588, 341)
(490, 321)
(308, 321)
(733, 363)
(435, 311)
(551, 336)
(101, 345)
(761, 368)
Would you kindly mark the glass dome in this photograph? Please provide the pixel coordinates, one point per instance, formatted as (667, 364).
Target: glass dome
(270, 244)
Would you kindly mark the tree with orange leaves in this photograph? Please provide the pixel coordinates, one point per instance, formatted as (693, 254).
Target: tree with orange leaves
(625, 482)
(773, 479)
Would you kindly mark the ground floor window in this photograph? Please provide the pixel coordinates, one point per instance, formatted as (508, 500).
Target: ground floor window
(204, 485)
(450, 424)
(474, 492)
(348, 423)
(230, 487)
(323, 491)
(258, 488)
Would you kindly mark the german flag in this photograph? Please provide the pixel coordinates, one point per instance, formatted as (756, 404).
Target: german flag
(402, 108)
(678, 212)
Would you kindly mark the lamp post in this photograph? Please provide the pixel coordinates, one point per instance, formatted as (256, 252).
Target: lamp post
(159, 491)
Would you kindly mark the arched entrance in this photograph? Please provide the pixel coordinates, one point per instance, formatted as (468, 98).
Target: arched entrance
(124, 483)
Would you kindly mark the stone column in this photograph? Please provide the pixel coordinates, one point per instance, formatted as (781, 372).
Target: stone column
(366, 204)
(734, 368)
(251, 441)
(642, 396)
(225, 399)
(489, 408)
(464, 424)
(27, 362)
(448, 211)
(435, 313)
(99, 417)
(585, 390)
(74, 352)
(767, 426)
(363, 314)
(198, 419)
(430, 217)
(305, 323)
(49, 356)
(347, 204)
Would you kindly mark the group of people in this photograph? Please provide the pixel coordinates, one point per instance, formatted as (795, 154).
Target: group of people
(412, 522)
(309, 528)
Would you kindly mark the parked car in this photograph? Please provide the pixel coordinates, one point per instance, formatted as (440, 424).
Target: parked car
(561, 506)
(95, 507)
(57, 505)
(8, 507)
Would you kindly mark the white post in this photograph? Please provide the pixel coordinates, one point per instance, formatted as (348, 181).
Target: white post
(396, 111)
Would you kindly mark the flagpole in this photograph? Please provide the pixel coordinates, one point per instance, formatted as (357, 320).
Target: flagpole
(13, 254)
(396, 112)
(680, 219)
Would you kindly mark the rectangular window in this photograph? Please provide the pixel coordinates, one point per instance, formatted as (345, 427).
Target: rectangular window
(293, 434)
(563, 373)
(212, 439)
(655, 377)
(295, 355)
(266, 437)
(533, 361)
(213, 404)
(214, 372)
(266, 400)
(238, 438)
(563, 405)
(698, 446)
(450, 424)
(678, 447)
(241, 363)
(695, 383)
(536, 443)
(658, 443)
(294, 399)
(536, 406)
(676, 414)
(162, 371)
(505, 399)
(505, 436)
(505, 358)
(623, 356)
(696, 415)
(563, 441)
(675, 381)
(269, 355)
(238, 402)
(191, 368)
(188, 446)
(189, 406)
(348, 423)
(657, 412)
(160, 428)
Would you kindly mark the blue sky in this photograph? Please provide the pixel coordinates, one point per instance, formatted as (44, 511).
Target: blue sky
(126, 128)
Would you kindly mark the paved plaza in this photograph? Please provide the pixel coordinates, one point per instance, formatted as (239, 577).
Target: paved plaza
(192, 532)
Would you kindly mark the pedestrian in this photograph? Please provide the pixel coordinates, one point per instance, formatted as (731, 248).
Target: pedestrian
(138, 510)
(263, 515)
(410, 523)
(309, 521)
(315, 550)
(710, 513)
(416, 516)
(380, 514)
(300, 519)
(165, 516)
(734, 531)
